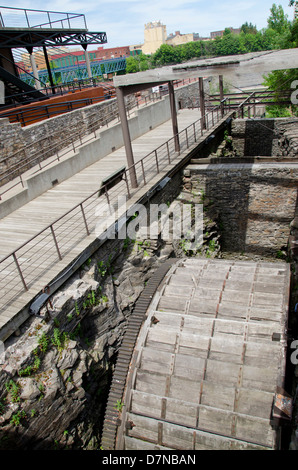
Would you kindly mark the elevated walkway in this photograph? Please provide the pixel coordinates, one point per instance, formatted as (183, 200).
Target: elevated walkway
(26, 28)
(203, 360)
(50, 235)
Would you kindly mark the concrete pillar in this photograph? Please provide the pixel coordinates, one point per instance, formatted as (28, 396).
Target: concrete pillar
(35, 72)
(202, 102)
(174, 116)
(49, 69)
(87, 59)
(2, 93)
(126, 137)
(221, 93)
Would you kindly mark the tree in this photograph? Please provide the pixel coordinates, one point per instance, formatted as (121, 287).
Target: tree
(132, 65)
(278, 20)
(249, 28)
(166, 54)
(281, 81)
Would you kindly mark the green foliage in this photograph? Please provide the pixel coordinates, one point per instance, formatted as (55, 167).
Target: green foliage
(280, 81)
(30, 369)
(17, 417)
(43, 342)
(119, 405)
(278, 20)
(59, 339)
(95, 298)
(248, 28)
(277, 111)
(14, 390)
(138, 63)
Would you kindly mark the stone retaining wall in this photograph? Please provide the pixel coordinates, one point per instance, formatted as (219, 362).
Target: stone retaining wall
(43, 139)
(256, 203)
(266, 137)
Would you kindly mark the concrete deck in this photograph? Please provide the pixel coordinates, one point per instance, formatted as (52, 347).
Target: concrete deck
(206, 365)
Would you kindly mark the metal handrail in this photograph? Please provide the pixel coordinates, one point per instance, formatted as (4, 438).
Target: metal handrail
(146, 168)
(45, 109)
(74, 140)
(69, 16)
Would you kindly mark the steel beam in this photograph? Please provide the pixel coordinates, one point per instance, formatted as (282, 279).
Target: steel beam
(174, 116)
(126, 137)
(202, 102)
(49, 69)
(15, 38)
(221, 93)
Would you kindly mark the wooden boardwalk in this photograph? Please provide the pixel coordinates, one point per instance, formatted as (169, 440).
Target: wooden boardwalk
(39, 259)
(28, 220)
(209, 359)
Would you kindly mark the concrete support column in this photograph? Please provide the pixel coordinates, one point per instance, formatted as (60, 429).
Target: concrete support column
(202, 102)
(87, 59)
(221, 93)
(35, 71)
(174, 116)
(126, 137)
(49, 69)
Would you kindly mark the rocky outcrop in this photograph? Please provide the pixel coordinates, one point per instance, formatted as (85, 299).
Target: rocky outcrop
(56, 374)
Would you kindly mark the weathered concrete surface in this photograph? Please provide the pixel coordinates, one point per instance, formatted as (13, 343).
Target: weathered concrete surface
(206, 365)
(228, 66)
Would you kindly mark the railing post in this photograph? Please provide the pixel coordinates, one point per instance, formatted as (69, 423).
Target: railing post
(107, 194)
(186, 138)
(156, 159)
(56, 243)
(143, 171)
(194, 132)
(221, 92)
(127, 185)
(19, 270)
(84, 218)
(169, 157)
(202, 102)
(27, 18)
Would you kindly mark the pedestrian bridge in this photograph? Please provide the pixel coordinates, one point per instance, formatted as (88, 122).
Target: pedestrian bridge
(202, 362)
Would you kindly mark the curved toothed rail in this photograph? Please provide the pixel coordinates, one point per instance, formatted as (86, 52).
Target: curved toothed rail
(202, 364)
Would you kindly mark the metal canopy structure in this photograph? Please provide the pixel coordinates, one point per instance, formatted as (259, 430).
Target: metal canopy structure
(37, 28)
(228, 66)
(16, 38)
(26, 28)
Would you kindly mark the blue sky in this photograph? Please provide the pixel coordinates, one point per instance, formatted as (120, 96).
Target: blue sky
(123, 20)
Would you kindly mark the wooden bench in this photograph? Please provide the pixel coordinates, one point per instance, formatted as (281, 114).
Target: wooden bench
(111, 180)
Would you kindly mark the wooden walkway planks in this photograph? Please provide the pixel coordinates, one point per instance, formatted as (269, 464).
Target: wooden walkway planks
(35, 215)
(25, 222)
